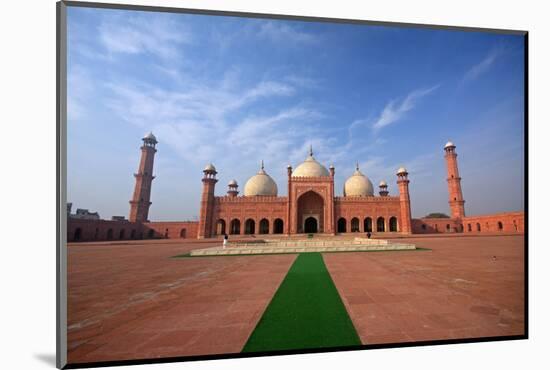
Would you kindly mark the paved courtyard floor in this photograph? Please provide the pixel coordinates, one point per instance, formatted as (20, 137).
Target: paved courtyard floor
(131, 300)
(456, 290)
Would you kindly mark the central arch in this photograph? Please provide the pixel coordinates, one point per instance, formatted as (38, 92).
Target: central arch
(311, 205)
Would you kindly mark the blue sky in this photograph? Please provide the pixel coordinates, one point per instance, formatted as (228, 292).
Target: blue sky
(233, 91)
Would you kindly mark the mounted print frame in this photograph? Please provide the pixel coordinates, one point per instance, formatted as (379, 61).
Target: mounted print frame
(235, 185)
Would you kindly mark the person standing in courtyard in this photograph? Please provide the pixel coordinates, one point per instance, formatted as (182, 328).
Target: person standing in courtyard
(225, 239)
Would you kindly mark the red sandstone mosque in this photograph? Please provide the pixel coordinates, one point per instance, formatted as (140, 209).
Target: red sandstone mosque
(311, 206)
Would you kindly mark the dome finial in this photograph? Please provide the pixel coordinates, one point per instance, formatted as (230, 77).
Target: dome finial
(310, 150)
(357, 166)
(262, 164)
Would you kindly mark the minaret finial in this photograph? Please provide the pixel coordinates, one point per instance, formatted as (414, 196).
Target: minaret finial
(310, 150)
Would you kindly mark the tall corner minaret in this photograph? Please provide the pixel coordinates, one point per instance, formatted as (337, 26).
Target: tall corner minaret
(141, 200)
(287, 224)
(404, 200)
(207, 202)
(456, 201)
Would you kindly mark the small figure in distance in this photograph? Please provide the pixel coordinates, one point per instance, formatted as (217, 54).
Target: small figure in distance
(368, 234)
(225, 238)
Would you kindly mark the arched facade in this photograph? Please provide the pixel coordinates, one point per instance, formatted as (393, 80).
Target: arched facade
(278, 226)
(342, 227)
(310, 196)
(250, 226)
(264, 226)
(380, 225)
(220, 227)
(235, 227)
(367, 225)
(354, 225)
(310, 208)
(393, 224)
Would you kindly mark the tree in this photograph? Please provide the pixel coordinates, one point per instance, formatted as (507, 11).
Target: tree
(437, 215)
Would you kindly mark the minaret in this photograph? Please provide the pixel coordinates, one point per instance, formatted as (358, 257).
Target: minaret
(288, 203)
(139, 205)
(233, 186)
(332, 217)
(207, 202)
(383, 189)
(456, 201)
(404, 200)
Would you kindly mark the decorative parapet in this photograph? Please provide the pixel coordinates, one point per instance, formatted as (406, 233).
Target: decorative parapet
(320, 179)
(493, 215)
(251, 199)
(371, 198)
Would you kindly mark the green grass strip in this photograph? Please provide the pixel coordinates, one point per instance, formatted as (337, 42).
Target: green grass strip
(306, 312)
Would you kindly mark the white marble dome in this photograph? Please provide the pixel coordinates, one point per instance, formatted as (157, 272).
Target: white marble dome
(260, 184)
(449, 144)
(358, 185)
(150, 136)
(210, 167)
(310, 168)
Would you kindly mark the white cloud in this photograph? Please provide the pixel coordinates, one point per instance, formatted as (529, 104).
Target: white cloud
(157, 35)
(79, 87)
(206, 122)
(279, 31)
(395, 110)
(483, 66)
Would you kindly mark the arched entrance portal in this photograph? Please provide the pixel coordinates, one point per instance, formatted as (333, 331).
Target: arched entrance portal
(310, 206)
(310, 225)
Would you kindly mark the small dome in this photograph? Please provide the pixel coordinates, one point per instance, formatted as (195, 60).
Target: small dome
(210, 167)
(383, 183)
(358, 185)
(232, 183)
(310, 168)
(449, 144)
(401, 170)
(260, 184)
(150, 137)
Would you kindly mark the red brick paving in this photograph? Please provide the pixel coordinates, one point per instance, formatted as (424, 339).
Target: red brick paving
(454, 291)
(131, 301)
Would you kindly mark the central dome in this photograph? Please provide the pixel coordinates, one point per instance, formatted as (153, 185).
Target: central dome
(260, 184)
(358, 185)
(310, 168)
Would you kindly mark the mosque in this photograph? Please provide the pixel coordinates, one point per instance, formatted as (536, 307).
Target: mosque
(311, 206)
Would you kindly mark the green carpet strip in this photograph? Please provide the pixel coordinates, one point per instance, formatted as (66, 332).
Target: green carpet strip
(306, 312)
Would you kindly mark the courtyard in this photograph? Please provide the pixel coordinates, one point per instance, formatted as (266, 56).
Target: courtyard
(133, 299)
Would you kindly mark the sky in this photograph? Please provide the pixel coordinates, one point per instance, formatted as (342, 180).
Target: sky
(234, 91)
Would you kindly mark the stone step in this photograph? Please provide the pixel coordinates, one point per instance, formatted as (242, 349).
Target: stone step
(270, 247)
